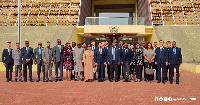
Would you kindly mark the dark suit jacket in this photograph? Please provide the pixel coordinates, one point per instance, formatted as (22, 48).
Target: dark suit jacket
(106, 50)
(163, 56)
(110, 56)
(27, 56)
(100, 57)
(56, 53)
(37, 57)
(130, 57)
(175, 59)
(7, 58)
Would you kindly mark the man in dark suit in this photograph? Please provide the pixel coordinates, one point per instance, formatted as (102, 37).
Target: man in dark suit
(58, 59)
(8, 61)
(126, 61)
(120, 47)
(168, 66)
(161, 61)
(108, 66)
(175, 60)
(39, 61)
(27, 55)
(113, 59)
(100, 61)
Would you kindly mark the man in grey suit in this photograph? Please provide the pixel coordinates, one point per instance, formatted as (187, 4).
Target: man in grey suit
(47, 56)
(38, 60)
(58, 58)
(16, 55)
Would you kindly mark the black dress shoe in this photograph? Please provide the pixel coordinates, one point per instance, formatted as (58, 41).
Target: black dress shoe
(171, 82)
(37, 80)
(102, 80)
(31, 81)
(25, 80)
(111, 80)
(177, 83)
(158, 82)
(51, 81)
(60, 80)
(116, 80)
(56, 80)
(124, 81)
(16, 80)
(20, 81)
(128, 80)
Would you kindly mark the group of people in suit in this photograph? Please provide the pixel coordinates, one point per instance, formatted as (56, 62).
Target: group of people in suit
(117, 58)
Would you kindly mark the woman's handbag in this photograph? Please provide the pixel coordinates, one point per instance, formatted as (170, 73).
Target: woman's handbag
(149, 71)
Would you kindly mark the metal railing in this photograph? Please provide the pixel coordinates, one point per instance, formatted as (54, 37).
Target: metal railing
(114, 21)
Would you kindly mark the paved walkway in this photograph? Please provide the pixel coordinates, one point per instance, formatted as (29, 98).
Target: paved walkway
(105, 93)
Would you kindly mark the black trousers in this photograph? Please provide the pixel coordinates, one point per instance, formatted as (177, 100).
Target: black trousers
(108, 70)
(138, 70)
(59, 64)
(100, 69)
(39, 66)
(113, 68)
(155, 66)
(119, 71)
(94, 74)
(25, 71)
(163, 66)
(9, 68)
(172, 66)
(168, 68)
(150, 66)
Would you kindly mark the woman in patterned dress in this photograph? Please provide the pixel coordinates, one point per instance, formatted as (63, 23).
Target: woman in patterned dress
(68, 61)
(138, 62)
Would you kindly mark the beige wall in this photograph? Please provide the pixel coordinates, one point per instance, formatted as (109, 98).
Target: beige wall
(122, 29)
(151, 38)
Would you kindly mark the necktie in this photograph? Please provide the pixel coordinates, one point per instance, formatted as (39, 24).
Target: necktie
(60, 48)
(161, 50)
(9, 51)
(174, 49)
(113, 53)
(39, 51)
(100, 51)
(27, 50)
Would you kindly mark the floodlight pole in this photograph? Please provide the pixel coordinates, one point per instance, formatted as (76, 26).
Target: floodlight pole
(19, 22)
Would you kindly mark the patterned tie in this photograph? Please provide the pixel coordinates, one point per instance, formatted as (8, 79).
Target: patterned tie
(60, 48)
(174, 49)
